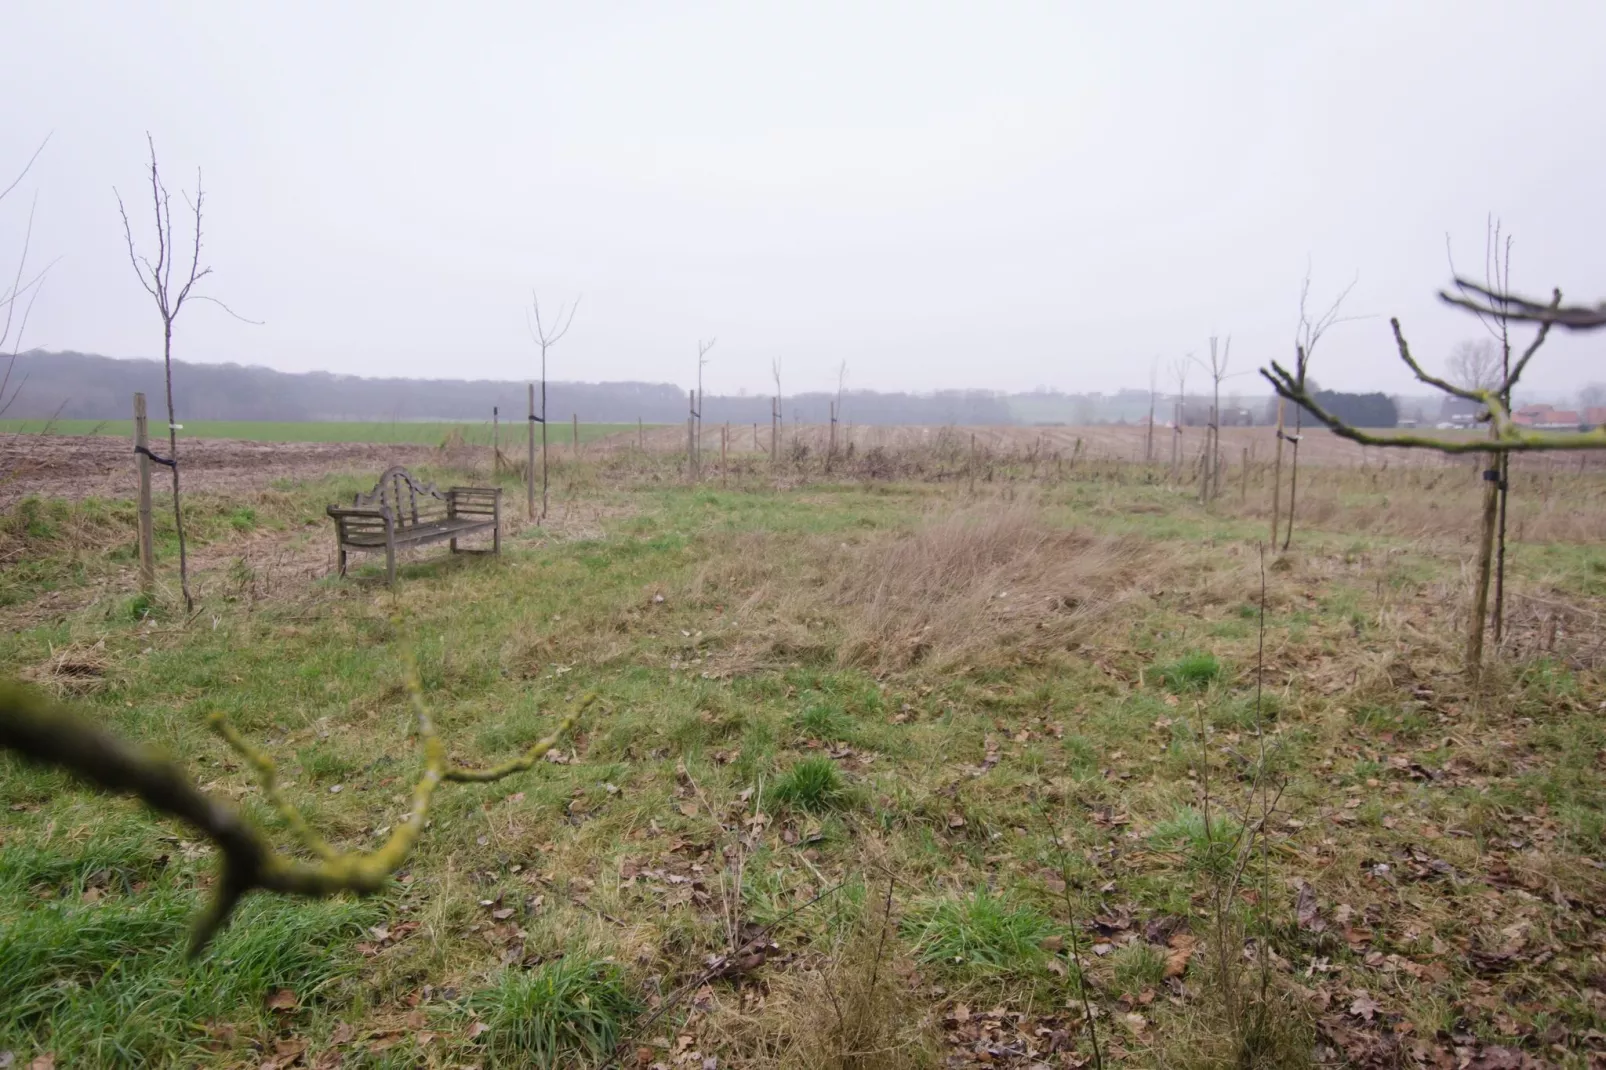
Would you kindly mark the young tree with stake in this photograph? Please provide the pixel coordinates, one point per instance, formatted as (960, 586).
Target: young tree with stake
(156, 276)
(1485, 364)
(545, 338)
(1179, 369)
(1210, 477)
(778, 422)
(1506, 436)
(1306, 336)
(697, 410)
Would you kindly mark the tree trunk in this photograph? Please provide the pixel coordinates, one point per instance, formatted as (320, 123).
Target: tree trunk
(147, 552)
(172, 455)
(529, 463)
(1500, 552)
(1480, 590)
(1293, 477)
(1277, 478)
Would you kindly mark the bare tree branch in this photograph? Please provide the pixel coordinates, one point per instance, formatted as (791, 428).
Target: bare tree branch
(1522, 309)
(49, 734)
(27, 166)
(1505, 435)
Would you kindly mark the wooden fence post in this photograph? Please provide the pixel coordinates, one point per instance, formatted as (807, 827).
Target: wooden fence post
(1243, 496)
(724, 445)
(574, 423)
(147, 552)
(641, 436)
(775, 430)
(496, 443)
(529, 464)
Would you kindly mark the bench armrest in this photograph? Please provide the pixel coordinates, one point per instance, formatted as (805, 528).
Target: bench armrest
(338, 511)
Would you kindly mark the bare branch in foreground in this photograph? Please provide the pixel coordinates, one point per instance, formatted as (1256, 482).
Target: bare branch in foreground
(45, 732)
(1505, 436)
(1513, 307)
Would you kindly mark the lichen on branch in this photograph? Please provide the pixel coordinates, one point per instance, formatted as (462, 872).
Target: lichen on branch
(48, 733)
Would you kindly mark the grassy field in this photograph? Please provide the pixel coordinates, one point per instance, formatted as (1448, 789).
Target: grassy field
(882, 775)
(430, 433)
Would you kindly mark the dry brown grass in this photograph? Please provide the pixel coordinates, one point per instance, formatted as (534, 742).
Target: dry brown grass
(74, 669)
(856, 1005)
(979, 584)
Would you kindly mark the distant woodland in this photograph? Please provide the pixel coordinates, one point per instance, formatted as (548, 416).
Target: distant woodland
(84, 386)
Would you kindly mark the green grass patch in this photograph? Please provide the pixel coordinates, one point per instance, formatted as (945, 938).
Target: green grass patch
(979, 932)
(811, 784)
(570, 1012)
(1191, 672)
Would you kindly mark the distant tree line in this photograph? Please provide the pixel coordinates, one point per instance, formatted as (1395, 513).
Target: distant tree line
(1357, 410)
(1360, 410)
(85, 386)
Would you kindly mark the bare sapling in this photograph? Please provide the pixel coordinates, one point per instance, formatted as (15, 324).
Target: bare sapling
(1148, 436)
(170, 295)
(1210, 477)
(22, 285)
(1257, 1027)
(697, 407)
(1179, 370)
(1306, 337)
(1084, 983)
(545, 338)
(835, 415)
(1487, 363)
(776, 422)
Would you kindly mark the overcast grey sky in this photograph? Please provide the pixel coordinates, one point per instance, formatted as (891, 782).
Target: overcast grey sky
(997, 195)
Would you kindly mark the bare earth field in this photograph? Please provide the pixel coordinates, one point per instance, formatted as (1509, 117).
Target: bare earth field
(90, 466)
(906, 759)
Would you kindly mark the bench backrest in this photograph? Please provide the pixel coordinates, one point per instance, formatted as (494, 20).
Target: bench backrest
(408, 501)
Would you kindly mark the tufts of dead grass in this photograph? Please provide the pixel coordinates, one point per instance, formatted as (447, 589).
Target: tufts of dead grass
(75, 669)
(977, 585)
(855, 1007)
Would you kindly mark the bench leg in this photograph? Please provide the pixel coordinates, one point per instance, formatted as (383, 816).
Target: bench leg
(390, 564)
(496, 539)
(342, 562)
(453, 545)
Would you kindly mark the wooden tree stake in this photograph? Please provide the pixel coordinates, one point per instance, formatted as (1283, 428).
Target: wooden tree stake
(529, 465)
(147, 551)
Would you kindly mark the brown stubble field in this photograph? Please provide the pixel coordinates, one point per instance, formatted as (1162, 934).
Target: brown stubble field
(1020, 757)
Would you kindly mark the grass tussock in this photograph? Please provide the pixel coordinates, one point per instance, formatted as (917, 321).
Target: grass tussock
(977, 585)
(859, 1010)
(980, 933)
(812, 784)
(569, 1013)
(73, 669)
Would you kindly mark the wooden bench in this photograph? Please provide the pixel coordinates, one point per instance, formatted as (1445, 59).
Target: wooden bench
(401, 511)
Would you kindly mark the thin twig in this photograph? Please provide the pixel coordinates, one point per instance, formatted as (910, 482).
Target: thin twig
(1076, 939)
